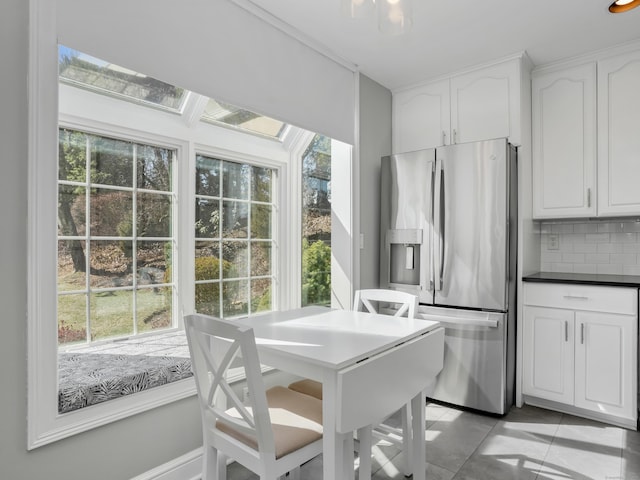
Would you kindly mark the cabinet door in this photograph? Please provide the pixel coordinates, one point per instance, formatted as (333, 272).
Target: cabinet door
(548, 354)
(564, 143)
(605, 361)
(618, 138)
(485, 104)
(421, 117)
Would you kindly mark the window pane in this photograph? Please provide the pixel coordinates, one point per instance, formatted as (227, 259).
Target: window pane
(111, 161)
(261, 295)
(72, 152)
(260, 259)
(207, 176)
(111, 314)
(111, 213)
(78, 68)
(153, 308)
(72, 210)
(235, 298)
(316, 222)
(153, 215)
(235, 180)
(216, 111)
(236, 255)
(261, 184)
(111, 263)
(234, 219)
(207, 261)
(241, 188)
(71, 265)
(260, 221)
(153, 262)
(207, 218)
(153, 168)
(208, 298)
(72, 314)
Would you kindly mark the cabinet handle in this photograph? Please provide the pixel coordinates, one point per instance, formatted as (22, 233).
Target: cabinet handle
(444, 137)
(455, 136)
(566, 331)
(589, 197)
(576, 297)
(581, 333)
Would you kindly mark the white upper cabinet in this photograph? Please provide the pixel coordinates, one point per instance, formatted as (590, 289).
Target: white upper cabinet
(478, 105)
(619, 135)
(421, 117)
(564, 142)
(485, 104)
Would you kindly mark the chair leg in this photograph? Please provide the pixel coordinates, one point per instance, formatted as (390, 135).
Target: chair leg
(365, 436)
(406, 440)
(214, 464)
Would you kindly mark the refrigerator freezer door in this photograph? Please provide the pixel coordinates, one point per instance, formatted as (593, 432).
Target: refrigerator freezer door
(406, 223)
(471, 220)
(478, 361)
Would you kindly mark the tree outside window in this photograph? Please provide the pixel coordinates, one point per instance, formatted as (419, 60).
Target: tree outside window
(115, 237)
(316, 222)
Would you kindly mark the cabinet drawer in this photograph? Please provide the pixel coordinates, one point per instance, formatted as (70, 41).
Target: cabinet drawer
(582, 297)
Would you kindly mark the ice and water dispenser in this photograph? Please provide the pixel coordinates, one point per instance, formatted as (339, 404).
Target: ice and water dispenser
(404, 256)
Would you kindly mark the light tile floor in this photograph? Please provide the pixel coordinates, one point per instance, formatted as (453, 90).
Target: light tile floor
(528, 443)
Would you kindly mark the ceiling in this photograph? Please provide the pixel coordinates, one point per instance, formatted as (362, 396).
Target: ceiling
(450, 35)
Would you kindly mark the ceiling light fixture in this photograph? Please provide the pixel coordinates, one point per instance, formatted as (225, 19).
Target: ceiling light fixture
(394, 16)
(620, 6)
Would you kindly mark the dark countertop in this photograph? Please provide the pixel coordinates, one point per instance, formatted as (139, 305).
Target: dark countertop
(584, 279)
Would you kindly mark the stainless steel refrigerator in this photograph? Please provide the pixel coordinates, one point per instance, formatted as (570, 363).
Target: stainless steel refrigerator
(448, 235)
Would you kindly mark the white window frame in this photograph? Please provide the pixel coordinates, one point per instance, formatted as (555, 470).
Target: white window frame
(45, 423)
(280, 225)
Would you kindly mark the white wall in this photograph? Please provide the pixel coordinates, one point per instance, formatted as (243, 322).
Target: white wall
(375, 142)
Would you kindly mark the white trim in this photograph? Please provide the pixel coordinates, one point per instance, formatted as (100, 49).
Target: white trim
(587, 58)
(42, 138)
(185, 467)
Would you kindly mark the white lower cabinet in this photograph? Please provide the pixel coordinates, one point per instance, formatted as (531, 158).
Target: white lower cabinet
(580, 350)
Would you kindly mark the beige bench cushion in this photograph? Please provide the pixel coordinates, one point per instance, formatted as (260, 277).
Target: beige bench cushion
(296, 421)
(308, 387)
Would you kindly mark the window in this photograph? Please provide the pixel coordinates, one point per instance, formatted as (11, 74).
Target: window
(115, 243)
(230, 115)
(316, 222)
(136, 219)
(82, 70)
(234, 238)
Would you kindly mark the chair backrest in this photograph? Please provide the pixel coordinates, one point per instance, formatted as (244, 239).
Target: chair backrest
(371, 300)
(216, 345)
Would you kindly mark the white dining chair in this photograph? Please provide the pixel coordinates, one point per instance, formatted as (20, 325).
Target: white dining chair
(398, 304)
(275, 432)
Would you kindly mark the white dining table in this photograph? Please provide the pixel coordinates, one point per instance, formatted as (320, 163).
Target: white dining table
(370, 365)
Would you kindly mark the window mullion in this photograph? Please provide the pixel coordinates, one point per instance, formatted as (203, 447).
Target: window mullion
(87, 241)
(134, 241)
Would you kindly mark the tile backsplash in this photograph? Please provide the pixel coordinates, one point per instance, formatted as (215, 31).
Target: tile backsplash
(590, 247)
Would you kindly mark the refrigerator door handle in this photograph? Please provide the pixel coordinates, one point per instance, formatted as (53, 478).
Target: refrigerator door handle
(431, 232)
(443, 209)
(437, 225)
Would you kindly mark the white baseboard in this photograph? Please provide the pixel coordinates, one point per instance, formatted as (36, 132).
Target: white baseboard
(185, 467)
